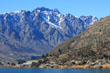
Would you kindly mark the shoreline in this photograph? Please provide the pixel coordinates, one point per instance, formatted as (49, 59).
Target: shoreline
(106, 66)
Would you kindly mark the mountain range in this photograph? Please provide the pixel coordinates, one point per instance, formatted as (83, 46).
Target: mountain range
(32, 33)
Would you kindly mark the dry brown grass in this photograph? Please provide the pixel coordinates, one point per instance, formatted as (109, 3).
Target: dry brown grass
(80, 66)
(106, 66)
(59, 66)
(96, 67)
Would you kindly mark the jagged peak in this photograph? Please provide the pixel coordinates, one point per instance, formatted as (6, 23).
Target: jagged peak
(21, 11)
(86, 17)
(15, 12)
(44, 10)
(69, 16)
(40, 9)
(56, 10)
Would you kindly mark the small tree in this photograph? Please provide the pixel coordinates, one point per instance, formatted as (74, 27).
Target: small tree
(60, 51)
(43, 56)
(13, 64)
(20, 61)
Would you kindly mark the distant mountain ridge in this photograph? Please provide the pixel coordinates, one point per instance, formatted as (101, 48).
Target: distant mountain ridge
(24, 33)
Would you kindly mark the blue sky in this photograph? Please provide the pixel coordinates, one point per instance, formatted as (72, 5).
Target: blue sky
(98, 8)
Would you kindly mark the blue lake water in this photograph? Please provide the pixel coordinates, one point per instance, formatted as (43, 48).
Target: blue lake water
(9, 70)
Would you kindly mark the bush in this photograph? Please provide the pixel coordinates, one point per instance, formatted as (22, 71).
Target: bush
(20, 61)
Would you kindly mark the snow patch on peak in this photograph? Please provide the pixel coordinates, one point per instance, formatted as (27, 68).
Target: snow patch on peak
(47, 20)
(17, 12)
(22, 11)
(59, 15)
(52, 17)
(45, 12)
(53, 24)
(61, 20)
(77, 16)
(94, 20)
(38, 11)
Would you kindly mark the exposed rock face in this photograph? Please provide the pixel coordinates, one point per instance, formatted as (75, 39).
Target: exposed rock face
(25, 33)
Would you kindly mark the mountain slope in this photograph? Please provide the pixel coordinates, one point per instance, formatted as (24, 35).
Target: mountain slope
(91, 46)
(37, 32)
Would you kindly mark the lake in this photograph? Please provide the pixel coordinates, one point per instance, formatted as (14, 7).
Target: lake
(9, 70)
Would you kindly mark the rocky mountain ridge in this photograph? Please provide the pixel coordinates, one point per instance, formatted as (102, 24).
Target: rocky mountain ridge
(30, 33)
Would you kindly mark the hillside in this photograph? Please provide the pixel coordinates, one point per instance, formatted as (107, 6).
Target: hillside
(32, 33)
(92, 46)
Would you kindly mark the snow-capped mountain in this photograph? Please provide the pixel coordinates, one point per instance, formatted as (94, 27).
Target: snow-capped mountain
(28, 33)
